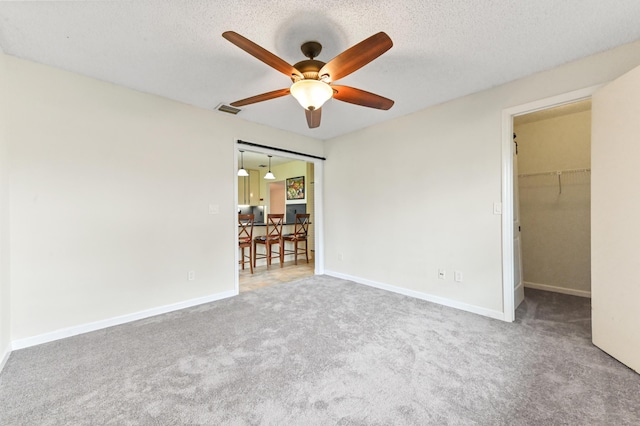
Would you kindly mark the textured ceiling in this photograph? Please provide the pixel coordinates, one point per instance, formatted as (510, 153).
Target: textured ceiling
(443, 49)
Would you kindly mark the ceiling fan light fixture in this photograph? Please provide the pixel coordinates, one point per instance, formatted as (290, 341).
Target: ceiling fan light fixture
(311, 94)
(313, 79)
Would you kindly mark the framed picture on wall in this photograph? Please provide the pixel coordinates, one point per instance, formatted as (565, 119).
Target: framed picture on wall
(295, 188)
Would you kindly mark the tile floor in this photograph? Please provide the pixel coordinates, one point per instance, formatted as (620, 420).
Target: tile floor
(263, 277)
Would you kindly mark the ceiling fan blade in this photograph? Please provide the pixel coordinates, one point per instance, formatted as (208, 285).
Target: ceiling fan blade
(355, 57)
(361, 97)
(261, 97)
(261, 53)
(313, 117)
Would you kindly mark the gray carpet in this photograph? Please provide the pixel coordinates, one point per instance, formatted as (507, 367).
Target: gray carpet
(324, 351)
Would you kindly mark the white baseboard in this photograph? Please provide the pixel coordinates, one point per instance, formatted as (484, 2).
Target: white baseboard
(423, 296)
(110, 322)
(556, 289)
(5, 357)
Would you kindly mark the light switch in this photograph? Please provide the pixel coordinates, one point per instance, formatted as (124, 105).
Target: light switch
(497, 208)
(214, 208)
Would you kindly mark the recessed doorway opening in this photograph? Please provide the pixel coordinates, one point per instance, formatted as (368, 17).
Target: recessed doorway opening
(513, 285)
(261, 197)
(552, 200)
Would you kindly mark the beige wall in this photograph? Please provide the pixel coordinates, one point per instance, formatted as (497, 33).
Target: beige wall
(110, 199)
(5, 314)
(556, 227)
(428, 202)
(282, 172)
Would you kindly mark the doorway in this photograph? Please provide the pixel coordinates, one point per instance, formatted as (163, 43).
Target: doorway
(512, 274)
(614, 123)
(553, 198)
(272, 199)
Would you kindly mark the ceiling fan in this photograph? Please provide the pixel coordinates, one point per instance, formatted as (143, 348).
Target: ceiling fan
(313, 80)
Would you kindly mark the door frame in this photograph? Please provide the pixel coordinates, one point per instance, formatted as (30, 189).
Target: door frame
(318, 226)
(508, 254)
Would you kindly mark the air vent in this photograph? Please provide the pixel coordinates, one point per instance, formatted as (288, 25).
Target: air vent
(228, 109)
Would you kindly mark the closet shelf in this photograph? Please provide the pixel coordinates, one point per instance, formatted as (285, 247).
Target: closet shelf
(556, 172)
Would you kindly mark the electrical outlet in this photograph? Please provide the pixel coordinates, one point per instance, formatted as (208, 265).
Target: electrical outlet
(457, 276)
(442, 274)
(340, 256)
(191, 276)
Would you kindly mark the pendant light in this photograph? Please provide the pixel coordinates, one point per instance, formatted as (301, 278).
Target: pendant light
(242, 171)
(269, 175)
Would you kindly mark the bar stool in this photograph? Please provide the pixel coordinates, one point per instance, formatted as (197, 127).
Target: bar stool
(273, 237)
(299, 235)
(245, 238)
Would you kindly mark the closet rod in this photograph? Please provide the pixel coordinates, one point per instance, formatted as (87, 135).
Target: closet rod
(557, 172)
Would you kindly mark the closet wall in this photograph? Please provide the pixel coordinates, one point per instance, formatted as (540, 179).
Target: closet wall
(555, 208)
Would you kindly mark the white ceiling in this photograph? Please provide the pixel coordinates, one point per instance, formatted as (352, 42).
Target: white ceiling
(257, 161)
(443, 49)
